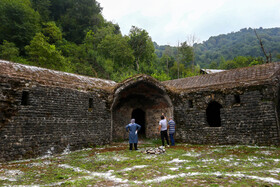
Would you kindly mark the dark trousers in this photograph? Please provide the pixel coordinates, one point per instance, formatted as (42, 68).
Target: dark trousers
(163, 134)
(135, 146)
(172, 139)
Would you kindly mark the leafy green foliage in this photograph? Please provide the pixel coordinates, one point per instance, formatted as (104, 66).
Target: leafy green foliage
(143, 48)
(43, 7)
(8, 51)
(51, 31)
(77, 17)
(43, 54)
(186, 53)
(19, 22)
(239, 62)
(116, 48)
(161, 76)
(73, 36)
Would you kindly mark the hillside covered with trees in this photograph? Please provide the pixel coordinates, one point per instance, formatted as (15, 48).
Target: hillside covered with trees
(73, 36)
(233, 50)
(218, 49)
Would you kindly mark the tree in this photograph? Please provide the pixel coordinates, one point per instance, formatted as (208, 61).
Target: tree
(268, 57)
(213, 65)
(177, 71)
(101, 33)
(43, 54)
(19, 22)
(230, 64)
(52, 32)
(77, 17)
(117, 49)
(186, 52)
(241, 61)
(167, 58)
(191, 40)
(43, 7)
(8, 51)
(165, 63)
(142, 45)
(161, 76)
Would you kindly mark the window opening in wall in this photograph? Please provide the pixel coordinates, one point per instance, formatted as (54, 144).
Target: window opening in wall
(236, 99)
(90, 103)
(190, 104)
(25, 98)
(139, 116)
(213, 114)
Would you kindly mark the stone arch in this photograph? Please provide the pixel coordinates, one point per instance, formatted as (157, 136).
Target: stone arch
(140, 93)
(213, 114)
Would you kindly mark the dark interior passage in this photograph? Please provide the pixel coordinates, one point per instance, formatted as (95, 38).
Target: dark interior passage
(139, 116)
(213, 114)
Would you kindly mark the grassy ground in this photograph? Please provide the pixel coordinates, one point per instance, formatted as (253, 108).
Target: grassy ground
(181, 165)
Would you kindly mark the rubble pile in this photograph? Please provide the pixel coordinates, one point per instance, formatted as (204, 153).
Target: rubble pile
(155, 151)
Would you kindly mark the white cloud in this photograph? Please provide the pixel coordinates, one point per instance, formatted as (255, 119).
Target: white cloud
(170, 21)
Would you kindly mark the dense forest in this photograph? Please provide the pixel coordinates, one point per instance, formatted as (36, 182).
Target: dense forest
(233, 50)
(216, 50)
(73, 36)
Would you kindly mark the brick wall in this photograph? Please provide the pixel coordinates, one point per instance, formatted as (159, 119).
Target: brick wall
(250, 120)
(38, 120)
(50, 120)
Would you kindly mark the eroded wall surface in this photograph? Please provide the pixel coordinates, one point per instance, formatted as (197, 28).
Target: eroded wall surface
(248, 116)
(50, 120)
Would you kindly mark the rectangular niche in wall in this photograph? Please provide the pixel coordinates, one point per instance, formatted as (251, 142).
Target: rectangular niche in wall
(190, 103)
(237, 99)
(25, 98)
(90, 104)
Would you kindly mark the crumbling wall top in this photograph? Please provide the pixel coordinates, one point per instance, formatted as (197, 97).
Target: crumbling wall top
(53, 78)
(241, 77)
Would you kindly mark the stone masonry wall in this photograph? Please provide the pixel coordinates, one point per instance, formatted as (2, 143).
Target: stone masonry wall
(252, 121)
(52, 119)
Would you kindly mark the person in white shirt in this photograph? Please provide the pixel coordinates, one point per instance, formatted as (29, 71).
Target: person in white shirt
(163, 130)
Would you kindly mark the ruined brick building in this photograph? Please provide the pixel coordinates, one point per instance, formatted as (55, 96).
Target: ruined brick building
(45, 110)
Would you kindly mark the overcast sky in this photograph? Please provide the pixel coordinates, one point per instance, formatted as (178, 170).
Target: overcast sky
(171, 21)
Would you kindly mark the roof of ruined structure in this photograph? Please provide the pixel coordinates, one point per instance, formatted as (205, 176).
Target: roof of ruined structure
(241, 77)
(210, 71)
(52, 77)
(136, 79)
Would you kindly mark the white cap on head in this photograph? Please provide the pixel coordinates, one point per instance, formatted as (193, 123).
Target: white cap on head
(132, 120)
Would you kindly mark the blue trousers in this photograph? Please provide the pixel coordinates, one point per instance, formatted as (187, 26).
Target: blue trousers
(172, 139)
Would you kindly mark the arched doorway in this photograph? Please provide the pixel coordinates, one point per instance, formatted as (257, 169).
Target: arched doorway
(139, 116)
(213, 114)
(142, 98)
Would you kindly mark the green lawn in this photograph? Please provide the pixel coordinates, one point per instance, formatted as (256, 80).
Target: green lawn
(182, 165)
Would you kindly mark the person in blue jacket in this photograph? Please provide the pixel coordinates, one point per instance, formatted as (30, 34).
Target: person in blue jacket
(133, 129)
